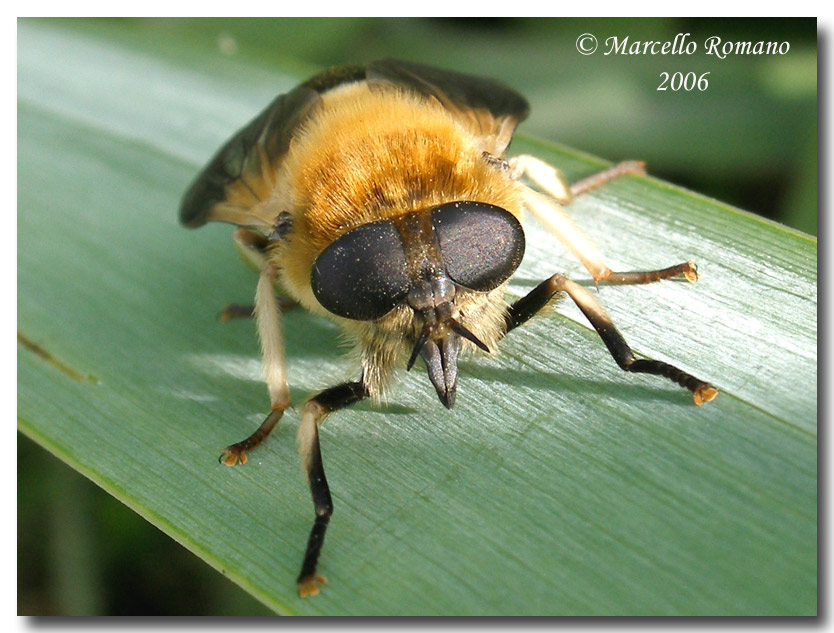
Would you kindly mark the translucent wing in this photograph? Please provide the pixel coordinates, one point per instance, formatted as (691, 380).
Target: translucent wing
(490, 109)
(242, 173)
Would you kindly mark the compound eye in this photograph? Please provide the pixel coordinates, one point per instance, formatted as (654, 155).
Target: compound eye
(482, 244)
(363, 275)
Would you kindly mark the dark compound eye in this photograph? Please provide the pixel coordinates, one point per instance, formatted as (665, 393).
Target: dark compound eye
(363, 275)
(482, 244)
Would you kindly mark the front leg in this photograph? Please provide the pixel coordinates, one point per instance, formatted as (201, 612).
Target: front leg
(252, 248)
(527, 306)
(313, 413)
(268, 317)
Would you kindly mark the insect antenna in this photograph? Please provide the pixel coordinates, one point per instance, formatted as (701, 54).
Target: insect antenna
(458, 329)
(418, 347)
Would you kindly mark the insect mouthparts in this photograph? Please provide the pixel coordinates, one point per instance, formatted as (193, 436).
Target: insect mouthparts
(433, 301)
(441, 356)
(440, 353)
(456, 327)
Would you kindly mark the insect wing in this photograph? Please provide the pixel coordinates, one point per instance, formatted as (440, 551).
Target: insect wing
(240, 174)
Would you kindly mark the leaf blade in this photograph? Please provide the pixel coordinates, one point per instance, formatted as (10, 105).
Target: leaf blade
(634, 500)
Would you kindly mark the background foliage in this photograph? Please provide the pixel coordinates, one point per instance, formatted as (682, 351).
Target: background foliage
(750, 139)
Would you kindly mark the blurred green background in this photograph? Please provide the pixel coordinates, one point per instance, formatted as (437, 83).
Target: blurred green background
(750, 140)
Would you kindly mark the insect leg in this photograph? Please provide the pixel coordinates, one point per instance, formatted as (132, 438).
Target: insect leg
(247, 311)
(527, 306)
(605, 176)
(544, 175)
(237, 311)
(548, 209)
(251, 246)
(268, 318)
(553, 181)
(314, 412)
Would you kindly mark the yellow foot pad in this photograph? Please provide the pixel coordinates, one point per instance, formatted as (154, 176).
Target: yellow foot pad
(232, 455)
(309, 586)
(704, 394)
(692, 275)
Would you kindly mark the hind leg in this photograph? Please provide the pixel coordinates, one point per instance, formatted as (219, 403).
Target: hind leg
(549, 210)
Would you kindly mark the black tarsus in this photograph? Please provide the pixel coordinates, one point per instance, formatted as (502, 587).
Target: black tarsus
(329, 400)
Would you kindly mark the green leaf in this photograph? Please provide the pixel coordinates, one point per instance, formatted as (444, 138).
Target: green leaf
(557, 485)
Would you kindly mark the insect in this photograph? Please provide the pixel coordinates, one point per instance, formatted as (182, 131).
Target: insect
(382, 197)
